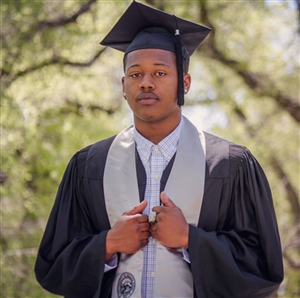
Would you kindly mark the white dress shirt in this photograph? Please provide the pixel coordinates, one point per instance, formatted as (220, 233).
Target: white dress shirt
(155, 158)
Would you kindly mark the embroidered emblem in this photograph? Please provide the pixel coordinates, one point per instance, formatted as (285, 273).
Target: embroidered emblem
(126, 285)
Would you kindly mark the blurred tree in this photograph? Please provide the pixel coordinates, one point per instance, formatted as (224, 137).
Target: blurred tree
(60, 91)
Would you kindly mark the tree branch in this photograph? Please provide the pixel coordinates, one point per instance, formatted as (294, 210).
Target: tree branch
(3, 177)
(298, 8)
(53, 61)
(291, 249)
(253, 80)
(291, 193)
(64, 21)
(155, 3)
(75, 107)
(42, 25)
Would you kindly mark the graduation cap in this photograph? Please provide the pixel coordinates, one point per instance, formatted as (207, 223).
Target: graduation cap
(144, 27)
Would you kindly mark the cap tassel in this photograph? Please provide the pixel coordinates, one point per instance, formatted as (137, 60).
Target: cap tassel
(180, 95)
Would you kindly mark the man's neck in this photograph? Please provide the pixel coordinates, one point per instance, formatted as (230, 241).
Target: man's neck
(156, 132)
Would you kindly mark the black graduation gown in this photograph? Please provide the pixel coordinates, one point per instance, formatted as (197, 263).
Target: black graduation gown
(234, 252)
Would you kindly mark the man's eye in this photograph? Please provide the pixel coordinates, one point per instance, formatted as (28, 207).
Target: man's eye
(135, 75)
(160, 73)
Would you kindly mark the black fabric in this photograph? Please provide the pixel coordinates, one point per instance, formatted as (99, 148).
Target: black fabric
(153, 38)
(239, 239)
(142, 178)
(166, 174)
(138, 17)
(234, 252)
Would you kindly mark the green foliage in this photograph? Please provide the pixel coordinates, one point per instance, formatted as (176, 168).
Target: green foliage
(34, 161)
(60, 92)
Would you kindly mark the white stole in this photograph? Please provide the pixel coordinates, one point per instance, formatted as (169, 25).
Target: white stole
(185, 188)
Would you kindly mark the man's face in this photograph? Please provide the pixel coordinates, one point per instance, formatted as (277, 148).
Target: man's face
(150, 84)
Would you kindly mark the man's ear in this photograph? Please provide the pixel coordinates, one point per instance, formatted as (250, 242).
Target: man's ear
(187, 79)
(123, 88)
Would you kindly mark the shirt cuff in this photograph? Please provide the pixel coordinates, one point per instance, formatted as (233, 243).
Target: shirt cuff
(186, 255)
(111, 264)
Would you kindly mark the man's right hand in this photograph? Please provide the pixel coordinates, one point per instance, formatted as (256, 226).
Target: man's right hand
(129, 234)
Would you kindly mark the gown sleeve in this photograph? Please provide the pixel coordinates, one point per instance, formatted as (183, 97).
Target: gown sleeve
(71, 257)
(239, 256)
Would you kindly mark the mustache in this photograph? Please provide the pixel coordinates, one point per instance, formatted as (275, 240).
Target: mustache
(147, 95)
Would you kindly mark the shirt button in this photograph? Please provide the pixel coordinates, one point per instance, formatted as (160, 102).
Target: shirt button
(152, 274)
(156, 176)
(156, 149)
(154, 240)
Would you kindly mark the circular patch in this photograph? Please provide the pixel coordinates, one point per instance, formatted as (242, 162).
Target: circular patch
(126, 285)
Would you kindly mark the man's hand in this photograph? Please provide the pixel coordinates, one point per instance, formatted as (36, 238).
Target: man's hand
(170, 228)
(129, 234)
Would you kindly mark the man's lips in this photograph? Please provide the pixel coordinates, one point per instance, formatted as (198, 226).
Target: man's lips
(147, 98)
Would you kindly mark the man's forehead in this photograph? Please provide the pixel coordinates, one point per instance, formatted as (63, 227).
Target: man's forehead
(151, 56)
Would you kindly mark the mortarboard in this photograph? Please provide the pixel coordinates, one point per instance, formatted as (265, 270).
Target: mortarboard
(144, 27)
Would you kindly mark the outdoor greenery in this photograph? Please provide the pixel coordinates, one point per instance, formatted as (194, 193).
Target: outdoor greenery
(61, 91)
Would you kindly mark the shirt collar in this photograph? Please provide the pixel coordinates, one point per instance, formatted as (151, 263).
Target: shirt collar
(167, 146)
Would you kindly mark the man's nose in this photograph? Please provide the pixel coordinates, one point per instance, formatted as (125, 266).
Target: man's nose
(147, 83)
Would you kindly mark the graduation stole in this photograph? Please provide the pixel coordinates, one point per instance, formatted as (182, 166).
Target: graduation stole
(185, 188)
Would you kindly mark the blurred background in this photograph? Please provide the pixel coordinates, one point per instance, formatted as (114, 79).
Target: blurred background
(61, 91)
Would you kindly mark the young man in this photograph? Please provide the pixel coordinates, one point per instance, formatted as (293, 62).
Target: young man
(161, 209)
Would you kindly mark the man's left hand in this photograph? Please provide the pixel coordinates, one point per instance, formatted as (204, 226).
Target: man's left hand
(170, 227)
